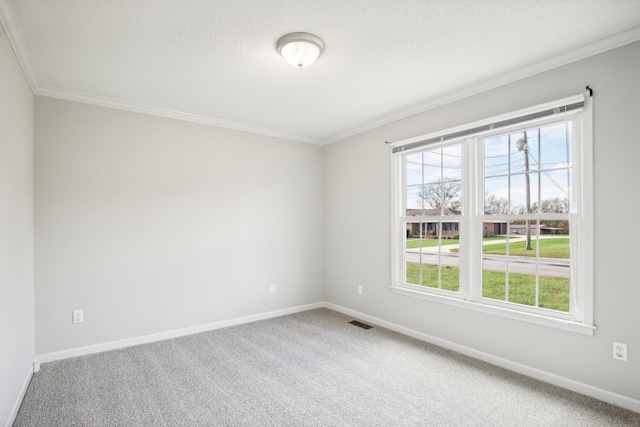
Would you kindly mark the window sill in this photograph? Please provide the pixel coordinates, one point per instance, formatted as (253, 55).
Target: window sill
(551, 322)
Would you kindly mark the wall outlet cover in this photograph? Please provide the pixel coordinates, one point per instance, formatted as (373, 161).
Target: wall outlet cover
(620, 351)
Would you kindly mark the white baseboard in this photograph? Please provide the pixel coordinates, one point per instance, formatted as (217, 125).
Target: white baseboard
(113, 345)
(588, 390)
(19, 398)
(569, 384)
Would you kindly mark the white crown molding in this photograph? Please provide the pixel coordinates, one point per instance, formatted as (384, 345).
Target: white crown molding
(15, 40)
(172, 114)
(613, 42)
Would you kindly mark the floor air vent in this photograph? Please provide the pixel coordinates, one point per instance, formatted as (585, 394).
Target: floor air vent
(360, 324)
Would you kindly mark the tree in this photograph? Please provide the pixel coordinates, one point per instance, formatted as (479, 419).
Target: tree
(442, 195)
(555, 205)
(494, 205)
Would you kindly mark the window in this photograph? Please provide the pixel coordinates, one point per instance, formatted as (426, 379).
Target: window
(433, 186)
(496, 217)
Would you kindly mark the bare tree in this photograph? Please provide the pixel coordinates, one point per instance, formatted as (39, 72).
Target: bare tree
(494, 205)
(555, 205)
(442, 195)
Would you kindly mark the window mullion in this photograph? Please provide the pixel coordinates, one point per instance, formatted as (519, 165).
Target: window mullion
(469, 265)
(398, 194)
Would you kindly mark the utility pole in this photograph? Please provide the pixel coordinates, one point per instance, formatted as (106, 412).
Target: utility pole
(522, 145)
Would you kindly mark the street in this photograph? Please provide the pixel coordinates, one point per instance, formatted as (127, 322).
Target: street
(554, 267)
(524, 265)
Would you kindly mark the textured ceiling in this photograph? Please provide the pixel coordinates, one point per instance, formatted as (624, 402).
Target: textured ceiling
(215, 61)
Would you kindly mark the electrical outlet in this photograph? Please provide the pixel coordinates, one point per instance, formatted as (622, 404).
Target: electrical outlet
(359, 289)
(620, 351)
(78, 316)
(272, 289)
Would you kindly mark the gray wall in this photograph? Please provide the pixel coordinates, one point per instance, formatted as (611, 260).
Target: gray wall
(151, 225)
(357, 228)
(16, 229)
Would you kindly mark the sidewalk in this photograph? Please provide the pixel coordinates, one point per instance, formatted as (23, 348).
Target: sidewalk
(446, 249)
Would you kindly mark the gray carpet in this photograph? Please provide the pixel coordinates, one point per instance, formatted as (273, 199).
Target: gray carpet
(306, 369)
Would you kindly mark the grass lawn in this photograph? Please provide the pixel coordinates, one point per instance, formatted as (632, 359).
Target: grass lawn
(450, 276)
(549, 248)
(553, 291)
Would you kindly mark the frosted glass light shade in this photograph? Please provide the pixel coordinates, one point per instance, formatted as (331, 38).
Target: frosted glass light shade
(300, 49)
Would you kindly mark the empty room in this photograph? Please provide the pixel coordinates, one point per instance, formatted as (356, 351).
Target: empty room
(296, 213)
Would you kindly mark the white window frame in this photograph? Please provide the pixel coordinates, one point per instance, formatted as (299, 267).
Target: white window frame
(580, 318)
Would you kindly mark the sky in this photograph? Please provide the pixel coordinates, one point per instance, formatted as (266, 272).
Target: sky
(549, 150)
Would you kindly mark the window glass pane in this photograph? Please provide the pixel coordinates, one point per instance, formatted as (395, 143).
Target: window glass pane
(432, 166)
(494, 283)
(431, 255)
(554, 293)
(412, 273)
(553, 251)
(558, 228)
(442, 198)
(493, 228)
(440, 189)
(430, 273)
(452, 162)
(414, 202)
(555, 146)
(523, 194)
(554, 191)
(538, 276)
(522, 287)
(496, 195)
(517, 194)
(414, 232)
(554, 244)
(414, 169)
(434, 181)
(507, 181)
(496, 155)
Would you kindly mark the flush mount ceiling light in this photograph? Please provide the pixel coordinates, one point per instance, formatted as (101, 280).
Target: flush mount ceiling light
(300, 49)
